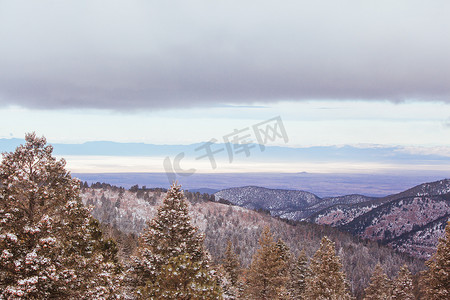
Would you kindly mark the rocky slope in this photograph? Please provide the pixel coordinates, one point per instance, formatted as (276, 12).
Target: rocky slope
(410, 224)
(422, 241)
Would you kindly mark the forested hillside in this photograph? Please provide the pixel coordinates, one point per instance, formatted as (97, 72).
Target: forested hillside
(415, 217)
(128, 210)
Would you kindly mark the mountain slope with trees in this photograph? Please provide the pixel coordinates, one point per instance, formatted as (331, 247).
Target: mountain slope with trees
(415, 217)
(224, 222)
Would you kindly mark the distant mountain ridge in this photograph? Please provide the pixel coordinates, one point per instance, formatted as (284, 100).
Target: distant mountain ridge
(345, 153)
(277, 201)
(414, 217)
(287, 204)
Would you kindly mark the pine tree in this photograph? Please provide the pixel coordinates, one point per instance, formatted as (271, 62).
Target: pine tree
(327, 280)
(229, 273)
(285, 260)
(229, 291)
(231, 264)
(171, 247)
(265, 278)
(50, 245)
(403, 285)
(182, 278)
(436, 280)
(284, 257)
(380, 286)
(299, 273)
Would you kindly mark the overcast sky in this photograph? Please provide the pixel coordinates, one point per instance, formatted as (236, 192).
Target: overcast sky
(179, 72)
(158, 54)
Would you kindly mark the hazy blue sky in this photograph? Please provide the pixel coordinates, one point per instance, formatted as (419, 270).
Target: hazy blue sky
(307, 123)
(364, 73)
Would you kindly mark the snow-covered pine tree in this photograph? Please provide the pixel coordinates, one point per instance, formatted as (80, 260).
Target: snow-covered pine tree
(230, 292)
(50, 245)
(231, 264)
(327, 280)
(285, 257)
(380, 286)
(230, 271)
(403, 288)
(183, 279)
(265, 278)
(300, 271)
(171, 256)
(435, 282)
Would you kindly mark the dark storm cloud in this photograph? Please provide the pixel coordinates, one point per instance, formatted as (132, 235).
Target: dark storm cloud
(156, 54)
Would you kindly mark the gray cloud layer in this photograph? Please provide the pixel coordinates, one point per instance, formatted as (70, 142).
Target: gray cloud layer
(156, 54)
